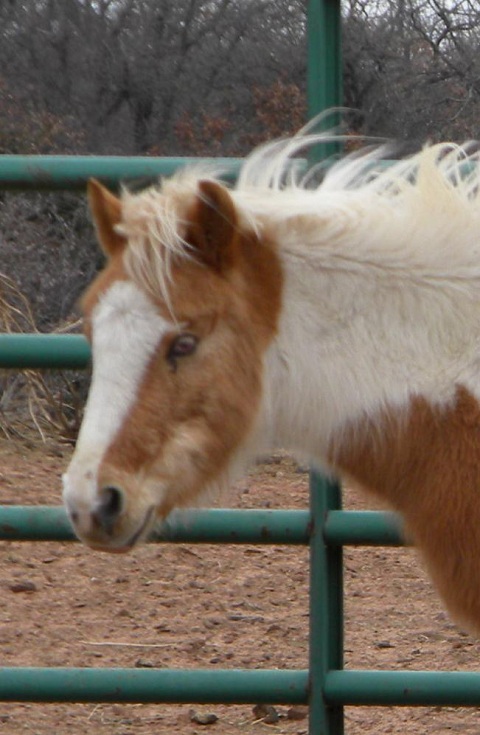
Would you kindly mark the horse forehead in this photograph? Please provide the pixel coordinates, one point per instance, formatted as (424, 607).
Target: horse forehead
(125, 320)
(113, 273)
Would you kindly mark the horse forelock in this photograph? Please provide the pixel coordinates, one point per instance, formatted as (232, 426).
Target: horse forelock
(154, 224)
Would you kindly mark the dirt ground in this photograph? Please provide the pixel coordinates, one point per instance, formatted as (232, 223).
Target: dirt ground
(203, 606)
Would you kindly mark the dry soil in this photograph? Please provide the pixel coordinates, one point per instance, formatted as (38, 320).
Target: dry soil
(204, 606)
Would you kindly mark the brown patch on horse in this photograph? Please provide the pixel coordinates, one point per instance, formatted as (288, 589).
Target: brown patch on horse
(213, 226)
(235, 267)
(426, 464)
(106, 210)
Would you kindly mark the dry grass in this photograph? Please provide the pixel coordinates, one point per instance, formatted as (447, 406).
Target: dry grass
(50, 403)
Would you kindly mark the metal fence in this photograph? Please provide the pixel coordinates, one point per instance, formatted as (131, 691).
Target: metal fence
(326, 687)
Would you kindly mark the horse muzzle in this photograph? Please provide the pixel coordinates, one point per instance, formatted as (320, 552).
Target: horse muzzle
(103, 516)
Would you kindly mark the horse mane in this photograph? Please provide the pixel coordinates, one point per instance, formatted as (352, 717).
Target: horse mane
(419, 216)
(154, 222)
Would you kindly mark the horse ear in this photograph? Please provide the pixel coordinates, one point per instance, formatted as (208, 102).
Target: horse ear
(106, 211)
(213, 228)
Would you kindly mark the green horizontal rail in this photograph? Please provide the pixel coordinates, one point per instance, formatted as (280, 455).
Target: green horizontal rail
(238, 686)
(216, 526)
(403, 688)
(235, 526)
(204, 686)
(35, 523)
(44, 351)
(363, 528)
(72, 172)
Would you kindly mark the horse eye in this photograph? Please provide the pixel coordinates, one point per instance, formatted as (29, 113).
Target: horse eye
(182, 346)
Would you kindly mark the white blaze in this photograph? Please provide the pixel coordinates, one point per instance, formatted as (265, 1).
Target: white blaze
(126, 330)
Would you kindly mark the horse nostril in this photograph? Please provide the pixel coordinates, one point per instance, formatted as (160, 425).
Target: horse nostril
(109, 507)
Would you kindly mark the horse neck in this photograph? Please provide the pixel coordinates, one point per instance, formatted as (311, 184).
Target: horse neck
(354, 338)
(376, 376)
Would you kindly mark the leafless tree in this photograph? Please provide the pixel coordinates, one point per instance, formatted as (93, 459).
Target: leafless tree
(413, 68)
(127, 71)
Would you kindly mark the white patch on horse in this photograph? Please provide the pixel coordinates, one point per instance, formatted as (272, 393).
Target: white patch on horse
(126, 330)
(380, 297)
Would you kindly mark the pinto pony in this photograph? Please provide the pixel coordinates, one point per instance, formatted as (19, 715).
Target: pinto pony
(341, 320)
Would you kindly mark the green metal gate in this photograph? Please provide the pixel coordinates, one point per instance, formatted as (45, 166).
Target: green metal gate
(326, 687)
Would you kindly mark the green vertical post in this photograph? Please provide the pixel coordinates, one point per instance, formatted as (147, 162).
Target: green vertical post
(324, 91)
(326, 608)
(324, 64)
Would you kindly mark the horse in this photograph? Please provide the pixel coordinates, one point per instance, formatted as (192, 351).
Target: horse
(336, 316)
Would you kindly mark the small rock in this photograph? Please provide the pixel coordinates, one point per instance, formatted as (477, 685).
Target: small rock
(297, 713)
(384, 644)
(203, 719)
(23, 587)
(124, 613)
(302, 470)
(274, 628)
(162, 628)
(142, 663)
(266, 713)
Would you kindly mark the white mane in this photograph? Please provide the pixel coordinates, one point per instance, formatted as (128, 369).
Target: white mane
(419, 216)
